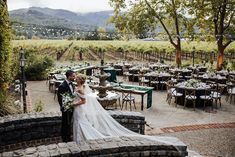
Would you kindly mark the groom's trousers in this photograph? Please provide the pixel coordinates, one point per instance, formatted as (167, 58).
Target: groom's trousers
(66, 128)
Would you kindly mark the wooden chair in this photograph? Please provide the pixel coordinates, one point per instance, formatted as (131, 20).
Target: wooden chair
(169, 87)
(230, 93)
(128, 98)
(188, 77)
(163, 82)
(125, 74)
(49, 77)
(51, 85)
(118, 102)
(180, 80)
(172, 92)
(231, 78)
(154, 81)
(190, 95)
(216, 94)
(56, 87)
(207, 97)
(55, 93)
(142, 80)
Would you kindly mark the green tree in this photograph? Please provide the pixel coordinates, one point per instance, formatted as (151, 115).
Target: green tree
(101, 33)
(94, 35)
(5, 48)
(146, 15)
(216, 17)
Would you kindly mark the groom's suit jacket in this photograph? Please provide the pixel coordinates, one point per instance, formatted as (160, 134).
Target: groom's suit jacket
(63, 88)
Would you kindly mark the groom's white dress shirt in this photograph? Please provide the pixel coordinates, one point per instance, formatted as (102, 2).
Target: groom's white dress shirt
(70, 86)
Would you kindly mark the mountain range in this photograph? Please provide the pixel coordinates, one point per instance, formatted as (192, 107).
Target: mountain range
(61, 18)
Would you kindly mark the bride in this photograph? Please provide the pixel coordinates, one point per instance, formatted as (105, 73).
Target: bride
(91, 121)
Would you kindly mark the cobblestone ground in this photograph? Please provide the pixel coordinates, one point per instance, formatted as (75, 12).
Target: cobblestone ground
(208, 142)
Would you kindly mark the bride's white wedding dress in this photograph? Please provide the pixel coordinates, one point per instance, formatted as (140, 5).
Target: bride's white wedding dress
(83, 129)
(92, 121)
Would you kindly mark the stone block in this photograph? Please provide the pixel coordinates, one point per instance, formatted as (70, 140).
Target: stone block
(123, 154)
(18, 153)
(7, 154)
(62, 145)
(44, 154)
(54, 153)
(42, 148)
(145, 153)
(64, 152)
(75, 151)
(72, 144)
(31, 155)
(30, 150)
(52, 147)
(134, 154)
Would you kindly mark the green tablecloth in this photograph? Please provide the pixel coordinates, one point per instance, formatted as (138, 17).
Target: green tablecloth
(148, 90)
(149, 98)
(113, 76)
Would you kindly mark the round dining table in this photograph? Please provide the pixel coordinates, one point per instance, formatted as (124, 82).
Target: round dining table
(200, 90)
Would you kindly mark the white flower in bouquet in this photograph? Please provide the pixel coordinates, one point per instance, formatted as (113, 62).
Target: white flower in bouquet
(68, 101)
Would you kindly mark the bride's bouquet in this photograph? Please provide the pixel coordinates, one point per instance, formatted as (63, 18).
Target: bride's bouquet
(68, 101)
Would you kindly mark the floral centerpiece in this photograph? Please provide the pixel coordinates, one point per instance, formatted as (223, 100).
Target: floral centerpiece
(210, 73)
(191, 83)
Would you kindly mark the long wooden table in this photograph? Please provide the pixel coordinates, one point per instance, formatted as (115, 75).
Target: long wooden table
(139, 90)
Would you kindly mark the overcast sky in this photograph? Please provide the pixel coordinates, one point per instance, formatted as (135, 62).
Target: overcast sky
(72, 5)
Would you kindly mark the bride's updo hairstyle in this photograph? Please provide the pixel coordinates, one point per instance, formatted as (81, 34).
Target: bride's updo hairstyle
(82, 78)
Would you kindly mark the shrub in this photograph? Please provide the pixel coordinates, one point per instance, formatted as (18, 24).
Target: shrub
(36, 68)
(7, 106)
(39, 106)
(224, 65)
(5, 48)
(233, 65)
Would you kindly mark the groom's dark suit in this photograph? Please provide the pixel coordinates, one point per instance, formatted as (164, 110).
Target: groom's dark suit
(66, 128)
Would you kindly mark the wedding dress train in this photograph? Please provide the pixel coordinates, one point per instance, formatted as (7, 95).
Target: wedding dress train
(92, 121)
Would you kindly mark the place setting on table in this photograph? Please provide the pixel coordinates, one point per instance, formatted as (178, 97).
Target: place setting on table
(199, 68)
(159, 65)
(223, 72)
(158, 77)
(134, 73)
(193, 83)
(180, 70)
(211, 76)
(232, 73)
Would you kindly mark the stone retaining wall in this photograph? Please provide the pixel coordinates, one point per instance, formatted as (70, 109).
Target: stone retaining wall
(109, 147)
(26, 130)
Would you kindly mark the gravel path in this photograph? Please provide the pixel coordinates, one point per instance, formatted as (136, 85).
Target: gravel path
(209, 142)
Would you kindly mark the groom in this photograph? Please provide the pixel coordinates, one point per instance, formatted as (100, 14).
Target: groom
(66, 87)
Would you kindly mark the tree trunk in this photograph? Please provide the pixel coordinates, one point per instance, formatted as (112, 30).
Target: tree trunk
(178, 57)
(80, 56)
(220, 59)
